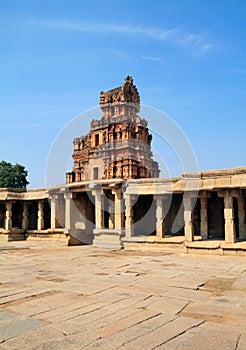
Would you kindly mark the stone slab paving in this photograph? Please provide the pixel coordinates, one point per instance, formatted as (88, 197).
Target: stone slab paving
(57, 297)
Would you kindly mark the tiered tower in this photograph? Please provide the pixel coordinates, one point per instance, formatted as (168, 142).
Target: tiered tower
(119, 144)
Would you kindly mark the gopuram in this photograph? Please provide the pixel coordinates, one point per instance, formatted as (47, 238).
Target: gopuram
(118, 145)
(114, 198)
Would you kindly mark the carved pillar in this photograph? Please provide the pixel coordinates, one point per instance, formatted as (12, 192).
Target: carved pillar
(111, 215)
(99, 208)
(25, 216)
(68, 196)
(118, 208)
(241, 217)
(204, 214)
(189, 227)
(159, 216)
(230, 232)
(53, 212)
(8, 216)
(40, 215)
(129, 202)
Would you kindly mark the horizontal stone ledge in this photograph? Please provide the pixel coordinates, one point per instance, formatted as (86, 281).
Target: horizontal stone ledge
(203, 244)
(108, 232)
(234, 246)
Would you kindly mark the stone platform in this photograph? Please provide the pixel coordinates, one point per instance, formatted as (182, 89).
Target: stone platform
(178, 243)
(57, 297)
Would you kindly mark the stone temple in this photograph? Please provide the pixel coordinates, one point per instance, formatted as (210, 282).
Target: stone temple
(118, 145)
(114, 197)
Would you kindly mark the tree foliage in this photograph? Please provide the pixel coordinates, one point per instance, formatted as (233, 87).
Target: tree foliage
(13, 175)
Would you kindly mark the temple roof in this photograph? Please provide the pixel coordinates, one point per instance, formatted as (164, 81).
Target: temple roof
(125, 93)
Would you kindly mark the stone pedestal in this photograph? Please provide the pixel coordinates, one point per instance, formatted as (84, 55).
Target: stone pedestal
(108, 238)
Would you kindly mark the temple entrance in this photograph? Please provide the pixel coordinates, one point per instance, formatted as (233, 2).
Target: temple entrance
(236, 217)
(17, 210)
(196, 218)
(144, 216)
(2, 215)
(216, 223)
(174, 220)
(46, 215)
(33, 215)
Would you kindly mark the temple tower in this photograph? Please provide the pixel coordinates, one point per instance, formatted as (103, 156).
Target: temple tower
(119, 144)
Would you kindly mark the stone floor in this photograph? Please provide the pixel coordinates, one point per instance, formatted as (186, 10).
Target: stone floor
(57, 297)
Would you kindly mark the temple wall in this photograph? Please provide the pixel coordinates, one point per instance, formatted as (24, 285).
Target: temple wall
(213, 208)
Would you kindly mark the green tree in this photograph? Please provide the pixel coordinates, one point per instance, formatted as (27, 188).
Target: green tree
(13, 175)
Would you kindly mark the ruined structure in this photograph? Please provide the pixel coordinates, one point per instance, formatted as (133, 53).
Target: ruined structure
(119, 144)
(123, 203)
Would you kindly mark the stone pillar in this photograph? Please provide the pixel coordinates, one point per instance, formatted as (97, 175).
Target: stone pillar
(189, 228)
(53, 212)
(129, 201)
(159, 216)
(40, 215)
(230, 232)
(204, 214)
(99, 208)
(111, 213)
(241, 217)
(118, 208)
(8, 216)
(68, 196)
(25, 216)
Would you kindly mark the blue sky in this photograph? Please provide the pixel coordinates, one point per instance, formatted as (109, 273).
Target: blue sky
(187, 58)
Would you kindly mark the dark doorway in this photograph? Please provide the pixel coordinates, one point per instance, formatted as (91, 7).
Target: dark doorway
(47, 211)
(144, 215)
(236, 218)
(216, 223)
(33, 215)
(95, 173)
(17, 211)
(2, 215)
(96, 140)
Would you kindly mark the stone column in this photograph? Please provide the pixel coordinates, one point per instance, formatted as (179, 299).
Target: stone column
(204, 214)
(129, 201)
(40, 215)
(241, 217)
(230, 232)
(8, 216)
(111, 213)
(53, 212)
(25, 216)
(118, 208)
(159, 216)
(68, 196)
(99, 208)
(189, 228)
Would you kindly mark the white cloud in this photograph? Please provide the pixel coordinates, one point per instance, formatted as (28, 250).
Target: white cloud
(152, 58)
(176, 36)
